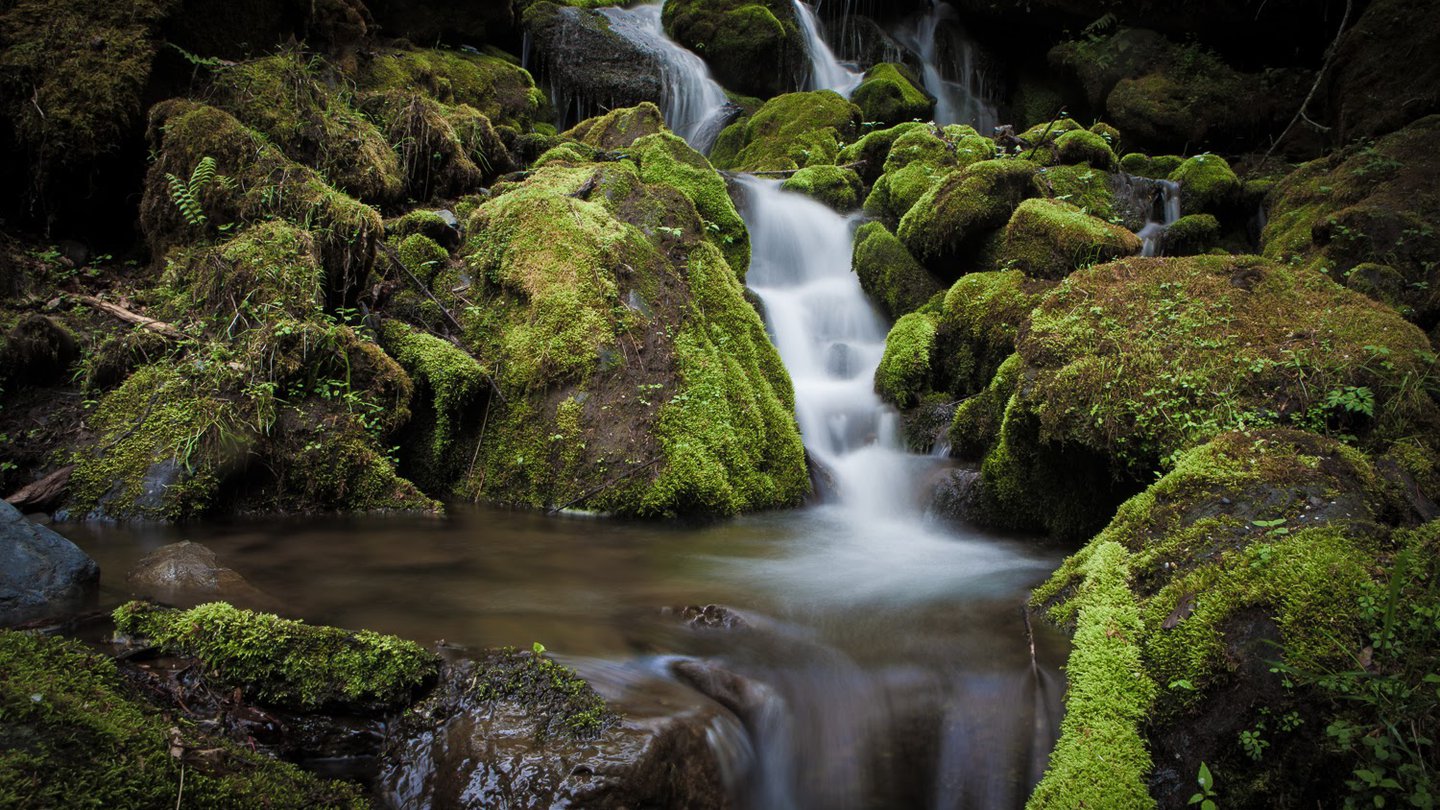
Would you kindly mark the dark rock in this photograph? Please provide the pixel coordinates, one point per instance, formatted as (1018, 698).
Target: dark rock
(709, 617)
(186, 574)
(589, 67)
(953, 495)
(741, 695)
(1381, 81)
(38, 351)
(40, 571)
(460, 749)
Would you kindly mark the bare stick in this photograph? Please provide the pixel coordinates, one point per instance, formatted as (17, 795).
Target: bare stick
(1319, 76)
(149, 324)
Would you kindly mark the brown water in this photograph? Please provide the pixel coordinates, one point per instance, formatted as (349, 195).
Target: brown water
(896, 656)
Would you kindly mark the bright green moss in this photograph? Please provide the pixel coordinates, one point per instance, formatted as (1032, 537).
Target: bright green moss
(1158, 167)
(889, 96)
(568, 152)
(1190, 235)
(558, 701)
(666, 158)
(955, 215)
(904, 370)
(978, 418)
(422, 256)
(453, 379)
(292, 99)
(1101, 759)
(267, 271)
(836, 187)
(1207, 184)
(1083, 146)
(74, 736)
(1081, 186)
(285, 662)
(419, 221)
(979, 319)
(501, 91)
(888, 273)
(619, 128)
(790, 132)
(873, 149)
(1050, 238)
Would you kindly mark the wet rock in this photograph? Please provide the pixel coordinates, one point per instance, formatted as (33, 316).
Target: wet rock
(186, 574)
(709, 617)
(40, 571)
(590, 68)
(741, 695)
(954, 494)
(470, 745)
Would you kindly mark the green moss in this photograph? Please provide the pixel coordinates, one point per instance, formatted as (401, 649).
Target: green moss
(917, 160)
(836, 187)
(558, 701)
(1083, 146)
(571, 152)
(1101, 759)
(453, 379)
(419, 221)
(1158, 167)
(268, 271)
(979, 319)
(890, 96)
(292, 99)
(872, 150)
(753, 46)
(978, 419)
(1084, 187)
(904, 370)
(1050, 239)
(888, 273)
(72, 732)
(443, 151)
(952, 218)
(618, 128)
(285, 662)
(1207, 184)
(1190, 235)
(422, 256)
(501, 91)
(666, 158)
(790, 132)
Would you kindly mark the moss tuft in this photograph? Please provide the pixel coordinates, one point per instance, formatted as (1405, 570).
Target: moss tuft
(1207, 184)
(1050, 239)
(836, 187)
(904, 370)
(890, 96)
(1083, 146)
(285, 662)
(618, 128)
(558, 701)
(789, 132)
(888, 273)
(1191, 235)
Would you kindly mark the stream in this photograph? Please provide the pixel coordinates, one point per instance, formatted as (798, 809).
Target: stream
(893, 651)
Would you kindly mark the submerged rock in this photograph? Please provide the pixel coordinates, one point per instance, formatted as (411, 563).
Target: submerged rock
(186, 574)
(41, 573)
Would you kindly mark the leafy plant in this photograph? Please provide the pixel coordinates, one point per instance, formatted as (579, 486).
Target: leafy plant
(1205, 797)
(186, 195)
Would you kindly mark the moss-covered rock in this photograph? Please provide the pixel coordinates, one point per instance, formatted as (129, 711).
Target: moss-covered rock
(1156, 167)
(1368, 95)
(1190, 235)
(1083, 146)
(268, 271)
(975, 427)
(888, 273)
(834, 186)
(618, 128)
(1051, 238)
(890, 95)
(292, 99)
(754, 47)
(597, 68)
(443, 150)
(284, 662)
(872, 150)
(76, 730)
(918, 160)
(980, 317)
(904, 370)
(580, 266)
(1369, 203)
(952, 219)
(1130, 364)
(1250, 557)
(665, 158)
(1207, 184)
(789, 132)
(227, 174)
(1090, 190)
(497, 88)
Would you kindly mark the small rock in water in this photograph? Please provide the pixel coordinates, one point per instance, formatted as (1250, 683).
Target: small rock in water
(41, 573)
(186, 574)
(709, 617)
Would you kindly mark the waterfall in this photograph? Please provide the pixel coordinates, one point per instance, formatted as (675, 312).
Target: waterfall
(960, 93)
(1161, 214)
(826, 71)
(695, 104)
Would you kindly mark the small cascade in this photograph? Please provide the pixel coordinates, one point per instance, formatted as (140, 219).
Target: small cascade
(956, 82)
(826, 71)
(1163, 210)
(695, 105)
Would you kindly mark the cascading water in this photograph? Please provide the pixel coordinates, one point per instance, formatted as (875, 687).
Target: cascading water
(960, 96)
(1163, 210)
(826, 71)
(695, 104)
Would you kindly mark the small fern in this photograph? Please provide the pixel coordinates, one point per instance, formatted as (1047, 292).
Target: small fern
(186, 195)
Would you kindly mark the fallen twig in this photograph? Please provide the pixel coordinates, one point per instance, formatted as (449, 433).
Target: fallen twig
(150, 324)
(1319, 77)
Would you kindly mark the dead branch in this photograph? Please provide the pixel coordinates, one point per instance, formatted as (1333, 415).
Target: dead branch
(38, 495)
(149, 324)
(1319, 77)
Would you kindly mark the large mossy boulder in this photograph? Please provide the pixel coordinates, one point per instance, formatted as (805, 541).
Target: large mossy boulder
(1367, 204)
(754, 47)
(835, 186)
(950, 222)
(916, 161)
(904, 371)
(888, 273)
(498, 88)
(1244, 572)
(1374, 86)
(618, 128)
(792, 131)
(608, 302)
(890, 94)
(980, 317)
(665, 158)
(1128, 365)
(86, 735)
(1051, 238)
(1207, 185)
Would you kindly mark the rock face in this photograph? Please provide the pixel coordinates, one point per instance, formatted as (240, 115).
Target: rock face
(477, 742)
(587, 63)
(186, 574)
(40, 571)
